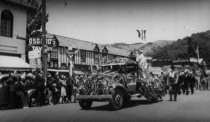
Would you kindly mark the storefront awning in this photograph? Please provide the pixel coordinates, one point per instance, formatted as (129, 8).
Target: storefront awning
(13, 63)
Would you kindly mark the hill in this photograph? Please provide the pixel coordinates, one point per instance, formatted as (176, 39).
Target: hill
(186, 47)
(149, 47)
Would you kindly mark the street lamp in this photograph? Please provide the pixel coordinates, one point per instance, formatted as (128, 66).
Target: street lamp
(70, 54)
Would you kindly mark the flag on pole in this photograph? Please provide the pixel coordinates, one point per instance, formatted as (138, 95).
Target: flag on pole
(142, 34)
(139, 33)
(197, 52)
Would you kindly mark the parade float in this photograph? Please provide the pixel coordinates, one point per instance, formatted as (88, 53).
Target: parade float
(117, 82)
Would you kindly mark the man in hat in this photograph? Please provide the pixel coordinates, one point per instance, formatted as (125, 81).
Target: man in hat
(172, 83)
(40, 86)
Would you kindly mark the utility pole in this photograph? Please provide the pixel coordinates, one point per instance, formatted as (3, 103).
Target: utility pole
(44, 45)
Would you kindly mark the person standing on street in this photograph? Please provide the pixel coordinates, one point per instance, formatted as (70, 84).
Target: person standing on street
(63, 89)
(172, 83)
(50, 88)
(187, 81)
(192, 82)
(10, 83)
(69, 87)
(75, 86)
(40, 83)
(20, 88)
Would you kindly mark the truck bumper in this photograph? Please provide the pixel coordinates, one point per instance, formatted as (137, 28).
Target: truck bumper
(94, 97)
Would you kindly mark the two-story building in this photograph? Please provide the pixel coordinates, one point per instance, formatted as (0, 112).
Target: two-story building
(13, 19)
(88, 59)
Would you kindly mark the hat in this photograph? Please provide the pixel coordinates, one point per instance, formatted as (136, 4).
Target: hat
(30, 75)
(23, 76)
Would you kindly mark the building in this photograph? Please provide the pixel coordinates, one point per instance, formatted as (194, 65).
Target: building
(13, 19)
(88, 59)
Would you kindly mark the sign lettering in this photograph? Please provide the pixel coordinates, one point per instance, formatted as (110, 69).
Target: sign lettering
(38, 41)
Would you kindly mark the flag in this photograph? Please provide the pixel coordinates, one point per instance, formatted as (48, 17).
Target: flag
(142, 34)
(197, 52)
(139, 33)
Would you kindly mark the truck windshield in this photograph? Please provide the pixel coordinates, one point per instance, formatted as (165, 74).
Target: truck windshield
(111, 68)
(106, 68)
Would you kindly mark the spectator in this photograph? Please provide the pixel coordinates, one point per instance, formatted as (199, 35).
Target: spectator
(50, 88)
(69, 88)
(40, 81)
(63, 89)
(10, 82)
(21, 91)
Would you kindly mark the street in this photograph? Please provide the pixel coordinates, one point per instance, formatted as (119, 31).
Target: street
(191, 108)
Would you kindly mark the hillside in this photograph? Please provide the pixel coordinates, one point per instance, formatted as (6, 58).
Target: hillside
(149, 47)
(186, 47)
(127, 46)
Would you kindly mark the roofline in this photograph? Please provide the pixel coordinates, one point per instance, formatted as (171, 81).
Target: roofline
(18, 4)
(73, 38)
(99, 45)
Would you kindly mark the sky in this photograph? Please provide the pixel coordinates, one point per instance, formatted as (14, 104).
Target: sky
(116, 21)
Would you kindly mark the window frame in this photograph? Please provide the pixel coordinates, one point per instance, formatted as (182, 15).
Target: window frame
(83, 56)
(96, 59)
(7, 23)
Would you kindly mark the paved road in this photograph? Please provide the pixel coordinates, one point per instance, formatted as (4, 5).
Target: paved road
(191, 108)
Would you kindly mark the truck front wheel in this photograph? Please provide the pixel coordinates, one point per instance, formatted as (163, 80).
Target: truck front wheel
(85, 104)
(117, 100)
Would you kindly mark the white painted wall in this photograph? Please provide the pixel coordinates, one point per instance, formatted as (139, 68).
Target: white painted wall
(13, 45)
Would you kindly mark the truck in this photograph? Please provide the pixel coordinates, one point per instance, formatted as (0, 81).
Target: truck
(117, 82)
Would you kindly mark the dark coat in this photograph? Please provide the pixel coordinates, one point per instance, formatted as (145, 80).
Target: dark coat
(39, 81)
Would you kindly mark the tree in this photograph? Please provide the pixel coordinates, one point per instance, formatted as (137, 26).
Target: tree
(185, 48)
(34, 17)
(34, 21)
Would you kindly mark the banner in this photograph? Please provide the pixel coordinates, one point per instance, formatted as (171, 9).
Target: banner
(34, 54)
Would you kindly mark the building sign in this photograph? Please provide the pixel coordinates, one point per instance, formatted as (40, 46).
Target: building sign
(37, 41)
(35, 46)
(34, 54)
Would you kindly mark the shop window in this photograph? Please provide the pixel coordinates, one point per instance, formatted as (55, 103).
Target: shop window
(104, 58)
(110, 58)
(55, 65)
(96, 58)
(54, 54)
(63, 66)
(83, 56)
(6, 23)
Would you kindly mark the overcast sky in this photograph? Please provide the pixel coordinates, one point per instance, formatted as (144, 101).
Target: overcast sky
(111, 21)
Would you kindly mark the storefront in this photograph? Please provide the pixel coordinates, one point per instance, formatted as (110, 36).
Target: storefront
(88, 59)
(13, 64)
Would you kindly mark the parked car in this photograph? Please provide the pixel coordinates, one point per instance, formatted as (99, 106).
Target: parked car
(15, 102)
(5, 101)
